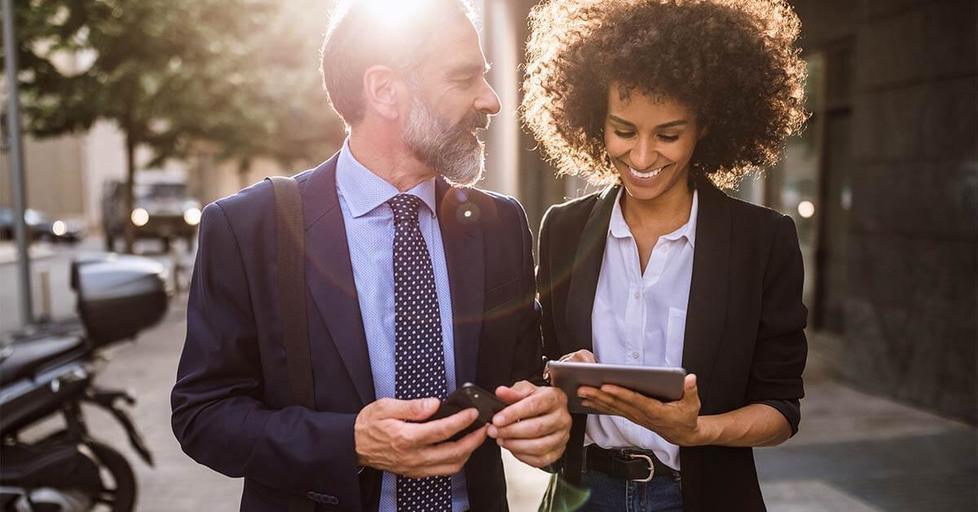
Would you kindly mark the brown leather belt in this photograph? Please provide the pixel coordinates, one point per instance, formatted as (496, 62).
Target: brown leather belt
(626, 463)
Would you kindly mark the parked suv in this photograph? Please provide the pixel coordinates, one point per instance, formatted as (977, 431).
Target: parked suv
(161, 210)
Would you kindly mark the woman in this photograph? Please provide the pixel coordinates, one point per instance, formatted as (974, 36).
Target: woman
(665, 101)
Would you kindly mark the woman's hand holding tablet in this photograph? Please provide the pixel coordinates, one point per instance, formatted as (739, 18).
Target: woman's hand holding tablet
(665, 384)
(664, 400)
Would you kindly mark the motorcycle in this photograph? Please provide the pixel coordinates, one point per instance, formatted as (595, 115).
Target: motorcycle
(51, 373)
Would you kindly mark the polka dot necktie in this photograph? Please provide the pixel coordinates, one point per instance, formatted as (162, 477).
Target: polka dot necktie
(419, 356)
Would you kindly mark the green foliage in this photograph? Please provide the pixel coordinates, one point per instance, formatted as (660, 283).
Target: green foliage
(176, 76)
(173, 74)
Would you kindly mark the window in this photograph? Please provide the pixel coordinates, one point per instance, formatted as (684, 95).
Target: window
(812, 185)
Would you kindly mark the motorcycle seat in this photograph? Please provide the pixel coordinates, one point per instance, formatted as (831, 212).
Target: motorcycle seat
(27, 357)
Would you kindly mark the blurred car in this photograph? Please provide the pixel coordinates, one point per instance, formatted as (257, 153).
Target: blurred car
(41, 227)
(161, 210)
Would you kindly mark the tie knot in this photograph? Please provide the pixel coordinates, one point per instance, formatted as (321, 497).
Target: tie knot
(405, 208)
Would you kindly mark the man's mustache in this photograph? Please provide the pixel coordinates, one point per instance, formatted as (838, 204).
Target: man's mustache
(473, 121)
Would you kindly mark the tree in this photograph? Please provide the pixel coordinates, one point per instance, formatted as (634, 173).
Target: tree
(169, 73)
(283, 115)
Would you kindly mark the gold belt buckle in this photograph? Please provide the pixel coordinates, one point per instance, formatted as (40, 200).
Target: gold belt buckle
(647, 459)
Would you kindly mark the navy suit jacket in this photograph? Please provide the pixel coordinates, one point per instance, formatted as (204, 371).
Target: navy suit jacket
(232, 403)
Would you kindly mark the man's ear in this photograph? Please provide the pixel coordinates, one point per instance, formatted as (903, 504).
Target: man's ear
(380, 91)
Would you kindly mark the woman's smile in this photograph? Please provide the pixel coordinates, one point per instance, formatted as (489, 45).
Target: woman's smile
(648, 175)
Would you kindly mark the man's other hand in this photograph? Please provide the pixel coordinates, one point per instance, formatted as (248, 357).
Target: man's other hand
(535, 426)
(388, 438)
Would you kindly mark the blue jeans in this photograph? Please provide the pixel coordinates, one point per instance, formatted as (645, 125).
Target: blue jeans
(661, 494)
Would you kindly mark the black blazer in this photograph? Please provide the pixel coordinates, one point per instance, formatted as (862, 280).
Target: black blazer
(232, 402)
(744, 325)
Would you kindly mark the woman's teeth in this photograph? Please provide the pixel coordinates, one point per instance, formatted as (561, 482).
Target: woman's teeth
(646, 175)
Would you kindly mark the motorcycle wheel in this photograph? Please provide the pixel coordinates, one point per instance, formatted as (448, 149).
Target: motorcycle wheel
(119, 495)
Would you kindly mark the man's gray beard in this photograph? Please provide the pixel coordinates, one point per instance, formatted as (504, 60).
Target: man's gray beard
(453, 152)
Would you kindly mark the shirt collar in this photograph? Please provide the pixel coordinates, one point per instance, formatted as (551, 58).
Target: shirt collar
(618, 228)
(364, 191)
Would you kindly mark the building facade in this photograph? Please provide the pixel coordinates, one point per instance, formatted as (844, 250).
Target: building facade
(889, 164)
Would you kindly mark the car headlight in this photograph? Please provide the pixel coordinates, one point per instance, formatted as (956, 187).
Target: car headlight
(59, 228)
(139, 217)
(192, 216)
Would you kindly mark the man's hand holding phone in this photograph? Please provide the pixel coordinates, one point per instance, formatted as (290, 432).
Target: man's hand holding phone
(535, 426)
(389, 436)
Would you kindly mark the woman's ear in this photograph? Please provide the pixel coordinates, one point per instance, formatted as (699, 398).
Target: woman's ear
(704, 131)
(380, 91)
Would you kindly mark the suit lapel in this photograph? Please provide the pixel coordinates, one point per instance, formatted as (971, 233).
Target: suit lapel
(462, 239)
(586, 269)
(329, 274)
(707, 310)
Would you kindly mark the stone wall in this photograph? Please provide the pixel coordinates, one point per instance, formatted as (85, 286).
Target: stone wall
(912, 298)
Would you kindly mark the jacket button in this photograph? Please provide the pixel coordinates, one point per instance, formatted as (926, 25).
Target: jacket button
(325, 499)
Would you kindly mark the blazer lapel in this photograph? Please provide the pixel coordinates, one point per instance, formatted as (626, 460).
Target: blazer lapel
(707, 309)
(587, 268)
(462, 239)
(329, 274)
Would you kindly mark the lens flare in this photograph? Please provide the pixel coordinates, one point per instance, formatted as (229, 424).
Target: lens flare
(139, 217)
(192, 216)
(806, 209)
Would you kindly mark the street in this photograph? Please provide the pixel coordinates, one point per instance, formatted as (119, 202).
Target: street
(854, 452)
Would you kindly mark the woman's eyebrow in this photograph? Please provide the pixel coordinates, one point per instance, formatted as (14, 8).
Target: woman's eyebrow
(670, 124)
(620, 120)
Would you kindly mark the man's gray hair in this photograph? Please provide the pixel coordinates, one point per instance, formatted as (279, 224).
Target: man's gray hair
(364, 33)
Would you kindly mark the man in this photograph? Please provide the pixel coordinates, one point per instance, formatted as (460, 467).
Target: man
(415, 286)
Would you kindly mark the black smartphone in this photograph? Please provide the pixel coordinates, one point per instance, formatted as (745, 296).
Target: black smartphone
(467, 396)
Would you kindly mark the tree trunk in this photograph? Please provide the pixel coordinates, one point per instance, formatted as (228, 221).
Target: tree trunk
(244, 169)
(130, 231)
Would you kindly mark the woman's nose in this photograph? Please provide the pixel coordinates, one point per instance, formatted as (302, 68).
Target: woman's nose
(643, 155)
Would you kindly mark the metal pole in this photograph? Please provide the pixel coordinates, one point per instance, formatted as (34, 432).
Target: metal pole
(17, 184)
(46, 309)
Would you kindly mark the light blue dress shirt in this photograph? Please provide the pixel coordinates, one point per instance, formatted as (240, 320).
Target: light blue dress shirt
(370, 235)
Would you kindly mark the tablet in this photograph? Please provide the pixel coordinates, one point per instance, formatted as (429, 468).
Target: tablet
(664, 384)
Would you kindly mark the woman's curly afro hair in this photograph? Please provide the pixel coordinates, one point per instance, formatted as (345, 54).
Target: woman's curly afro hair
(734, 63)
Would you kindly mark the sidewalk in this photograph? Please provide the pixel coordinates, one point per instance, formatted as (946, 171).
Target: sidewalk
(37, 250)
(860, 453)
(854, 452)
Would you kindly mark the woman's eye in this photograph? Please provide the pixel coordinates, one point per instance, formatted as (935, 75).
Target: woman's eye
(624, 135)
(669, 138)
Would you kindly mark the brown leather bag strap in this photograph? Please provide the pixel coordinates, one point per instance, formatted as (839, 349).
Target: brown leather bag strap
(290, 243)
